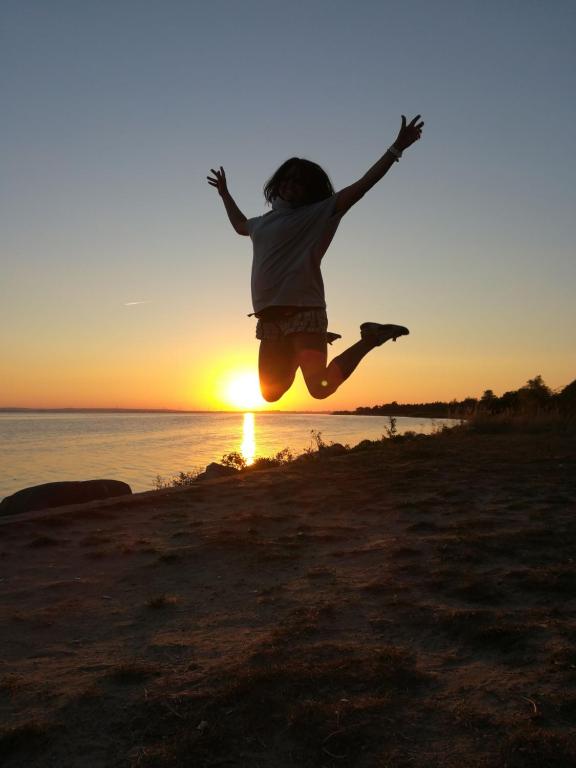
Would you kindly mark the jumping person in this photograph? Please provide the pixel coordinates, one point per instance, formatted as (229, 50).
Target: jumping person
(287, 289)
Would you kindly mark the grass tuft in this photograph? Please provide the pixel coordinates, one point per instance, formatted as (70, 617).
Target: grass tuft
(161, 601)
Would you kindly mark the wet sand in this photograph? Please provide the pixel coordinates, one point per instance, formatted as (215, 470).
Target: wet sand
(407, 605)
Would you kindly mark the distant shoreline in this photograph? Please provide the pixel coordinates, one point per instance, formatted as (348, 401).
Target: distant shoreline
(418, 414)
(138, 410)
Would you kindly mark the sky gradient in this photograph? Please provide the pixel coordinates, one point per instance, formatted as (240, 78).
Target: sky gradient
(123, 284)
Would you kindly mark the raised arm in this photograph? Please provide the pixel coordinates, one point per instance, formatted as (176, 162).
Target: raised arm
(407, 135)
(237, 218)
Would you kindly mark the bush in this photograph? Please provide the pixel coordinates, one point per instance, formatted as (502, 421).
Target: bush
(234, 459)
(177, 481)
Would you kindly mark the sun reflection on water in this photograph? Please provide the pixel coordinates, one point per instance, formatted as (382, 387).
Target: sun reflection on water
(248, 446)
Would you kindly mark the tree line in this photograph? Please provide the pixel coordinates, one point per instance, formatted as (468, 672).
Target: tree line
(532, 398)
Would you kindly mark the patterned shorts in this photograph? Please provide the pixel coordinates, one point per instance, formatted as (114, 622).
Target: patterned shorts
(303, 321)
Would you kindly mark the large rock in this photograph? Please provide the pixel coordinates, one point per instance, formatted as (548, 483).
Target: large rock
(214, 470)
(60, 494)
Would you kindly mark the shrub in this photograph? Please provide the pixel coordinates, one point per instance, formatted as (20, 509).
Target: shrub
(234, 459)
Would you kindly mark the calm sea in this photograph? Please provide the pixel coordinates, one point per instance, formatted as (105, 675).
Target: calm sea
(136, 447)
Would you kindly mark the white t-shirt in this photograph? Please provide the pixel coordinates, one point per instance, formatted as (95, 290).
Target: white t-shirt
(289, 243)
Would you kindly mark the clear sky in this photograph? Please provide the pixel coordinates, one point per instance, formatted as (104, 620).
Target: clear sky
(122, 283)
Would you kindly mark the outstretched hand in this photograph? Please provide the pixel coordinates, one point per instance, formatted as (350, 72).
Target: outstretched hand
(218, 181)
(408, 134)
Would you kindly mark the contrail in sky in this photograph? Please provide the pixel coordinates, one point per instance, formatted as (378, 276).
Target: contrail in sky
(133, 303)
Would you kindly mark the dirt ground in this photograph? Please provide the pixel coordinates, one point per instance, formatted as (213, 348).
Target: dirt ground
(408, 605)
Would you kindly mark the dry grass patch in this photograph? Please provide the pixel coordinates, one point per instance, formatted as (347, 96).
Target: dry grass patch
(321, 574)
(557, 580)
(302, 622)
(162, 601)
(335, 704)
(532, 747)
(11, 683)
(130, 673)
(476, 589)
(514, 639)
(380, 586)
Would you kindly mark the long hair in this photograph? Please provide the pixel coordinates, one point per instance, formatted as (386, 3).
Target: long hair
(314, 178)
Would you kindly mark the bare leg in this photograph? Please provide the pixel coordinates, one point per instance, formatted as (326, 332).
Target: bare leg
(311, 355)
(277, 366)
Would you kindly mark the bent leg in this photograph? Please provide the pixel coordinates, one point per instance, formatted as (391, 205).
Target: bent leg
(311, 355)
(277, 366)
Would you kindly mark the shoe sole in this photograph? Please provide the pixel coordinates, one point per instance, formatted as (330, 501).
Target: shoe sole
(382, 333)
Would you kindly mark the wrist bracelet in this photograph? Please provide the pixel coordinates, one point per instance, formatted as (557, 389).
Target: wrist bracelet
(396, 153)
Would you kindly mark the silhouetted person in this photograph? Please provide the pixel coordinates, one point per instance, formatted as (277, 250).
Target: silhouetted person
(287, 289)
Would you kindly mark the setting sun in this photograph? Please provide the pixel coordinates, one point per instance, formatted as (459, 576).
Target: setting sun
(243, 391)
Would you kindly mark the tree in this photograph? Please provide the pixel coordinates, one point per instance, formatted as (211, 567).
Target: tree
(489, 401)
(537, 385)
(535, 395)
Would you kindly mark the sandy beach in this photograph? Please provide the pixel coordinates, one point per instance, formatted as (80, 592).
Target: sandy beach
(407, 605)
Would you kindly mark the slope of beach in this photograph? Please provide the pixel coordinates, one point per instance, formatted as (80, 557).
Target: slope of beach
(411, 605)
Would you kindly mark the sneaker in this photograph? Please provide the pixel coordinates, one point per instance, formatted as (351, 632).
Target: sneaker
(379, 333)
(330, 337)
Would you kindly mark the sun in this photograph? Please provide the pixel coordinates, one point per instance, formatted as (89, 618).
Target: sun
(243, 392)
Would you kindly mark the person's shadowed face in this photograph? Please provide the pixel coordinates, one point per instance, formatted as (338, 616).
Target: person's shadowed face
(292, 187)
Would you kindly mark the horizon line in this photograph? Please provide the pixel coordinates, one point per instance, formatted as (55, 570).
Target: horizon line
(68, 409)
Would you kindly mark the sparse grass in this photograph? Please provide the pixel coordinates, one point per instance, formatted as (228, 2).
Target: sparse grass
(321, 574)
(391, 430)
(454, 645)
(318, 449)
(11, 683)
(535, 423)
(555, 580)
(340, 700)
(302, 622)
(539, 748)
(131, 673)
(237, 461)
(378, 587)
(468, 587)
(177, 481)
(504, 637)
(162, 601)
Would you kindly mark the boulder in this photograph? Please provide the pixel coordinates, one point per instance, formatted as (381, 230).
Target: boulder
(62, 493)
(214, 470)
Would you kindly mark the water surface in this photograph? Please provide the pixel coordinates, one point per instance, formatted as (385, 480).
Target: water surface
(136, 447)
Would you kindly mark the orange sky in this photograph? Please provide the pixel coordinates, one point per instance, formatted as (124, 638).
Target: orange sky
(184, 378)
